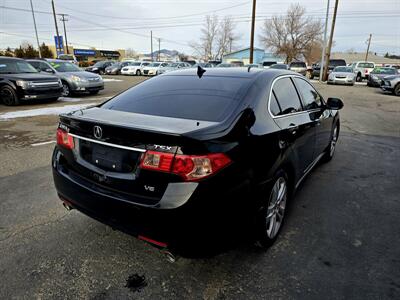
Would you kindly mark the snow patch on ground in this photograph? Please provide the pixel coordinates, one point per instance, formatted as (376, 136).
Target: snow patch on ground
(43, 111)
(111, 79)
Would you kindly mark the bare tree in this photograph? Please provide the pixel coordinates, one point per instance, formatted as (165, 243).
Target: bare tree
(216, 38)
(291, 35)
(226, 37)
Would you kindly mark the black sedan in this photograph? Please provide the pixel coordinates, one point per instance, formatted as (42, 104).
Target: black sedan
(377, 74)
(192, 157)
(100, 66)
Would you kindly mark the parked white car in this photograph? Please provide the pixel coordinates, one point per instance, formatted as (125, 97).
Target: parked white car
(362, 69)
(135, 68)
(153, 68)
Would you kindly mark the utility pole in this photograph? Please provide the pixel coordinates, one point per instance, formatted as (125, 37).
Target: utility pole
(369, 43)
(151, 38)
(328, 53)
(253, 21)
(159, 54)
(322, 65)
(230, 44)
(65, 31)
(55, 22)
(34, 24)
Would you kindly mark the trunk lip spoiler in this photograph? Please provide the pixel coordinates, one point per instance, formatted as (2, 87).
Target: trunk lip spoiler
(107, 144)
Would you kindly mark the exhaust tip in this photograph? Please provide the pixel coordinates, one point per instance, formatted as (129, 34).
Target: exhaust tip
(67, 206)
(169, 256)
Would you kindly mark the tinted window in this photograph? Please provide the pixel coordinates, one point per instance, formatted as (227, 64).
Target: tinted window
(187, 97)
(366, 65)
(274, 106)
(286, 95)
(337, 62)
(309, 95)
(35, 64)
(344, 69)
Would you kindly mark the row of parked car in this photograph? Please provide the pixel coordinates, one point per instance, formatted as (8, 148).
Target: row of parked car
(40, 79)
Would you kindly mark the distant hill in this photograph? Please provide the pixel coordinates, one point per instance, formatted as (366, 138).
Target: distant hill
(165, 52)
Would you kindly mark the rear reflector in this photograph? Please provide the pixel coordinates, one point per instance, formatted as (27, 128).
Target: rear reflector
(154, 242)
(64, 139)
(189, 167)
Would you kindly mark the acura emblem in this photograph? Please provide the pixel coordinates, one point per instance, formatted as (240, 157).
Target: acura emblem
(97, 132)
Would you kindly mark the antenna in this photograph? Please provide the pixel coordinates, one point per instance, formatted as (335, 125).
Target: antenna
(200, 71)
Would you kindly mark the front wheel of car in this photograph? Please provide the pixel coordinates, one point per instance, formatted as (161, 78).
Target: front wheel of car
(272, 213)
(66, 91)
(101, 72)
(138, 73)
(9, 96)
(330, 150)
(396, 90)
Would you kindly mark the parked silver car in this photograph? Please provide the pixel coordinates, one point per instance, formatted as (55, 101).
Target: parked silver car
(342, 75)
(391, 84)
(74, 79)
(173, 67)
(299, 67)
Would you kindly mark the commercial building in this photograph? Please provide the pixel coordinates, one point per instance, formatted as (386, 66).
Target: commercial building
(89, 55)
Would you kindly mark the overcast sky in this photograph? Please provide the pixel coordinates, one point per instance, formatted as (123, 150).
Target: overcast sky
(121, 24)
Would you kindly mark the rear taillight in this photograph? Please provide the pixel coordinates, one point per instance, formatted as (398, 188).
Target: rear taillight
(189, 167)
(64, 139)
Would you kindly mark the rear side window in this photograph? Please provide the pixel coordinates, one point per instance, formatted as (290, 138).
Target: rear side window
(188, 97)
(311, 99)
(274, 105)
(286, 96)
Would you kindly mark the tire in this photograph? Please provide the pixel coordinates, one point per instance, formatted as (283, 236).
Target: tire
(66, 92)
(396, 89)
(101, 72)
(9, 96)
(52, 99)
(138, 73)
(311, 76)
(359, 77)
(93, 92)
(330, 150)
(272, 213)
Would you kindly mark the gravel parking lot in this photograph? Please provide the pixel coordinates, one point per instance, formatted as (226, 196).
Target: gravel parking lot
(341, 239)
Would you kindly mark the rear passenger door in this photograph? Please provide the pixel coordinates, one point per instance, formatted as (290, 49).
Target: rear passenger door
(313, 104)
(298, 129)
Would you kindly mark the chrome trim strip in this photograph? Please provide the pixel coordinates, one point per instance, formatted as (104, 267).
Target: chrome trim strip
(107, 144)
(45, 83)
(309, 168)
(291, 114)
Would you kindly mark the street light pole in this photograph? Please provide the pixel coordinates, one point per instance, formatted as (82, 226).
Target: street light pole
(321, 70)
(65, 31)
(253, 21)
(55, 23)
(34, 24)
(151, 47)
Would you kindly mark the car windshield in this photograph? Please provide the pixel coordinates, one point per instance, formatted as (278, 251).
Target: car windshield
(208, 99)
(366, 65)
(174, 65)
(154, 64)
(135, 64)
(343, 69)
(224, 65)
(66, 57)
(116, 65)
(388, 71)
(8, 66)
(279, 66)
(61, 66)
(298, 65)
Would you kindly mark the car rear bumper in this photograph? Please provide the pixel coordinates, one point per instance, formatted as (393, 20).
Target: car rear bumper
(190, 215)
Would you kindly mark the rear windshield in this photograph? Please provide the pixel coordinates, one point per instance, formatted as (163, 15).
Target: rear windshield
(366, 65)
(337, 62)
(298, 65)
(388, 71)
(187, 97)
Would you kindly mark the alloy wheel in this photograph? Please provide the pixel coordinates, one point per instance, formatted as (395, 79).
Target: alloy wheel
(65, 90)
(276, 207)
(7, 96)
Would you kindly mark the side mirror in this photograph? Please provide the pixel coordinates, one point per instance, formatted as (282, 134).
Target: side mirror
(334, 103)
(49, 70)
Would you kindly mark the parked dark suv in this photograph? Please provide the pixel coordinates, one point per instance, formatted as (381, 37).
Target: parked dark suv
(100, 66)
(333, 63)
(20, 81)
(192, 157)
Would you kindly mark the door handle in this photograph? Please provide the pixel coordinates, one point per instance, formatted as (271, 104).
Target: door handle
(293, 128)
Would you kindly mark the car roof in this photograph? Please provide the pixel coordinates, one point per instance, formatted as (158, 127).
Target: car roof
(10, 58)
(240, 72)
